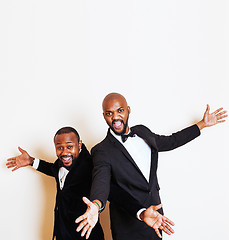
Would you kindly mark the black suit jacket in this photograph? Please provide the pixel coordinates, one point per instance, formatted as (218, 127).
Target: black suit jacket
(69, 204)
(114, 168)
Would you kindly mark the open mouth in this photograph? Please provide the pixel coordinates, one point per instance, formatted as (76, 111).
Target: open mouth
(117, 124)
(66, 159)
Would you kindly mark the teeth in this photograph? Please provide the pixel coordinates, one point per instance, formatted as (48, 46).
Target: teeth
(117, 124)
(66, 159)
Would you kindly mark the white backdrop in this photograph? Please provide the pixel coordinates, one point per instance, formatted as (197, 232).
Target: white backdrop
(58, 59)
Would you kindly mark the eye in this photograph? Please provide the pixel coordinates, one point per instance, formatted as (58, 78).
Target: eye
(120, 110)
(59, 148)
(70, 147)
(108, 113)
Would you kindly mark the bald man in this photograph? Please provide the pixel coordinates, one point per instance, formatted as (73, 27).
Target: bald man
(128, 158)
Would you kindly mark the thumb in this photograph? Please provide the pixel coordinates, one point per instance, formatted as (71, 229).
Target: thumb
(21, 150)
(87, 201)
(157, 207)
(208, 108)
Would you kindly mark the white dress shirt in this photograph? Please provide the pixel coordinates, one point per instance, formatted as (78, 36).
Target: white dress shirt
(63, 172)
(139, 150)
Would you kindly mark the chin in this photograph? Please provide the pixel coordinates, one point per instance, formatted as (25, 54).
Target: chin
(118, 132)
(68, 164)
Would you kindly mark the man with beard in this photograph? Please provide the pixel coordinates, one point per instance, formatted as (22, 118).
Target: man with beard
(128, 158)
(72, 171)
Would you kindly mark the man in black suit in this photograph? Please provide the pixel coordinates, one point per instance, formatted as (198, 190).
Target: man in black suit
(72, 171)
(127, 158)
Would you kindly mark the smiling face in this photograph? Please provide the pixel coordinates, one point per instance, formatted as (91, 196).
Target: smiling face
(67, 147)
(116, 113)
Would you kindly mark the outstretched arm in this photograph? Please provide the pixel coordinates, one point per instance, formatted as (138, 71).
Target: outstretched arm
(157, 221)
(89, 219)
(22, 160)
(211, 119)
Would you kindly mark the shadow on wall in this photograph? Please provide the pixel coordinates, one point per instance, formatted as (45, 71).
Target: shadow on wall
(48, 185)
(47, 209)
(105, 222)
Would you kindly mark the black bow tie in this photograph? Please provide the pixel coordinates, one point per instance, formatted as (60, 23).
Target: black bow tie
(125, 136)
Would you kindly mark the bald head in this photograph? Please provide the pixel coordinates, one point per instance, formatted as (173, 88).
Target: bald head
(116, 113)
(113, 97)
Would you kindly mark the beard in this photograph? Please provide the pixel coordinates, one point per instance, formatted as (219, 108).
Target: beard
(125, 125)
(61, 164)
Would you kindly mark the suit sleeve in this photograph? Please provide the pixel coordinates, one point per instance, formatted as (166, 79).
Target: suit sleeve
(46, 168)
(101, 176)
(166, 143)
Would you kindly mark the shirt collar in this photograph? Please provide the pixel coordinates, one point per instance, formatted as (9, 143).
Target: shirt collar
(118, 137)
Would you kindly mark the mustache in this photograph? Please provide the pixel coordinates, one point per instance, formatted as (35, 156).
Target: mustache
(117, 121)
(63, 156)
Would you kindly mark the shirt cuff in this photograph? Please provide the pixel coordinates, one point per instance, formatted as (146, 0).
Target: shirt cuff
(36, 163)
(139, 212)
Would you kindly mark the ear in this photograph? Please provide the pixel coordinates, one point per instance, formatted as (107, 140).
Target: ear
(128, 108)
(80, 144)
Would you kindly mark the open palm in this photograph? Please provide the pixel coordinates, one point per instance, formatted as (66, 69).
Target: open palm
(22, 160)
(213, 118)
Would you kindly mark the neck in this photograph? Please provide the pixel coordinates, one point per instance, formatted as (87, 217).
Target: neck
(127, 130)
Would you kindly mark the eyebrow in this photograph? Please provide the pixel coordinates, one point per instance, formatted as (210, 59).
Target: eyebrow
(62, 143)
(115, 109)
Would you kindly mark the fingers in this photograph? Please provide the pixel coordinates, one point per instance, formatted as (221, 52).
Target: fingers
(11, 162)
(165, 219)
(88, 232)
(221, 121)
(166, 228)
(158, 233)
(221, 115)
(218, 110)
(16, 168)
(163, 223)
(85, 229)
(158, 222)
(81, 225)
(81, 218)
(11, 159)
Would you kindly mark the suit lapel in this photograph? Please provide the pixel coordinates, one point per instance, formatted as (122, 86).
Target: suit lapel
(144, 135)
(118, 145)
(150, 140)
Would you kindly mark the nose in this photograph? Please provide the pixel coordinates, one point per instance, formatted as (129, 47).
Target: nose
(65, 151)
(115, 116)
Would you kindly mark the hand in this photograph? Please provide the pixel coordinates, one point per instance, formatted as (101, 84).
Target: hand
(88, 219)
(22, 160)
(157, 221)
(213, 118)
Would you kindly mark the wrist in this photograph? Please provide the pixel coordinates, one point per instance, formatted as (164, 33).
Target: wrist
(31, 160)
(141, 216)
(98, 204)
(201, 124)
